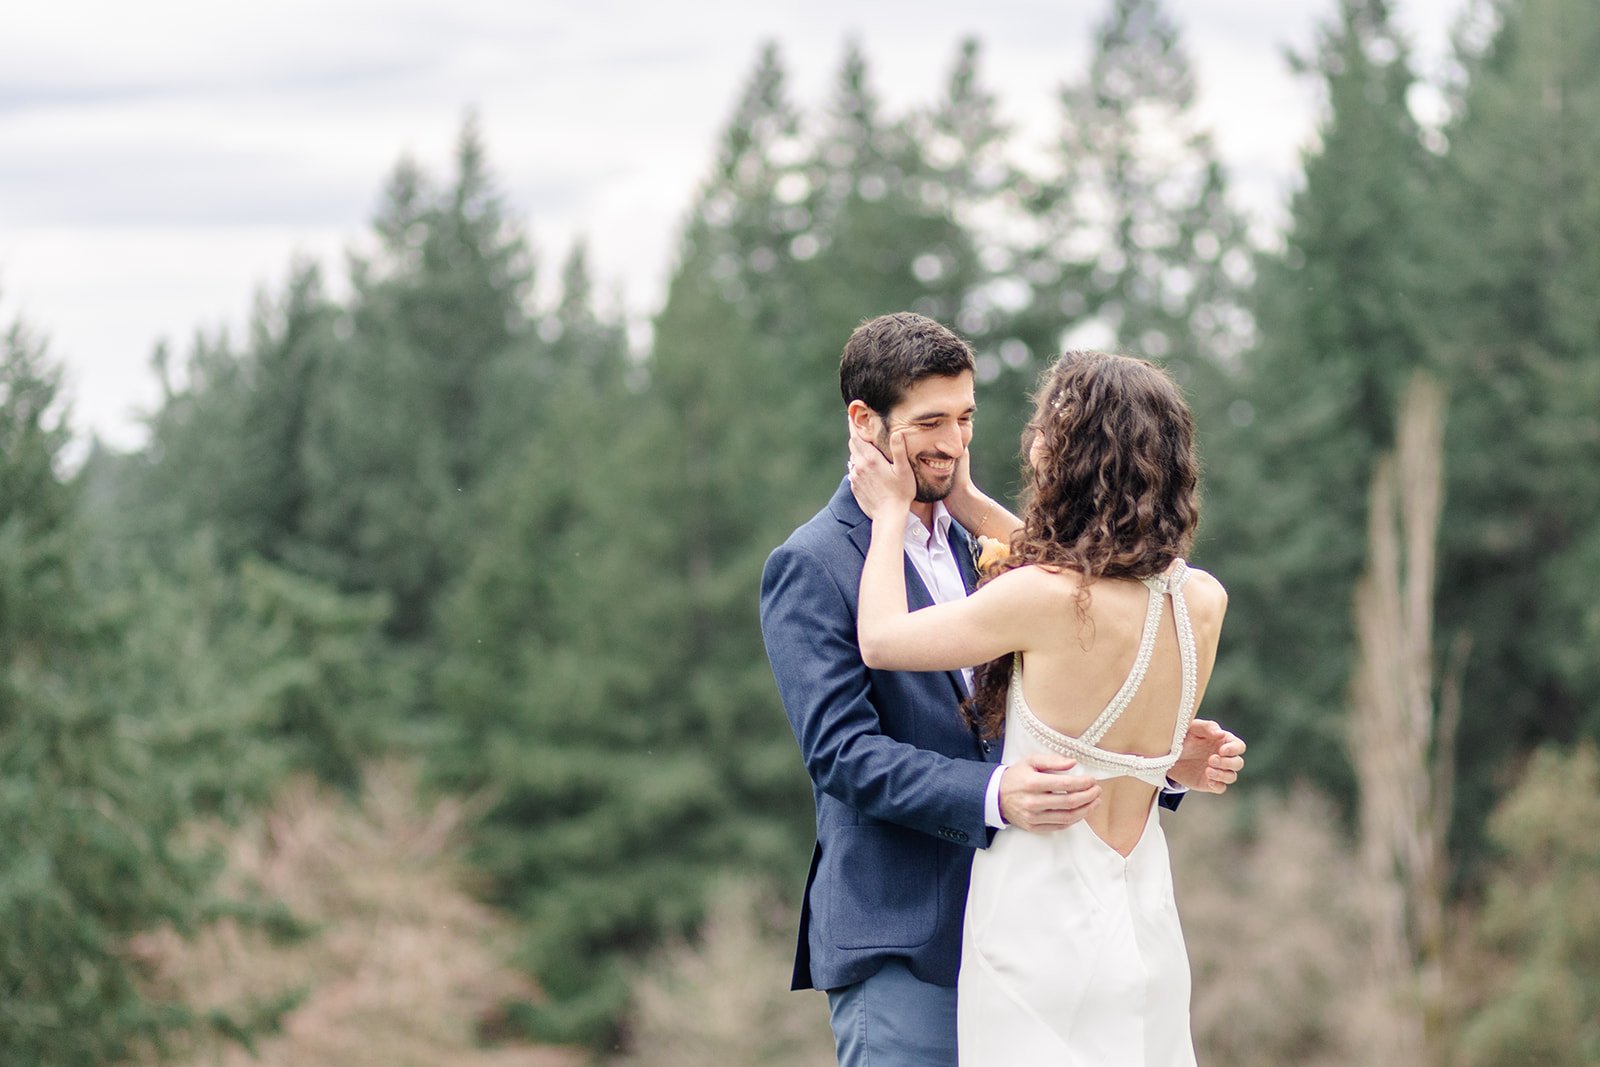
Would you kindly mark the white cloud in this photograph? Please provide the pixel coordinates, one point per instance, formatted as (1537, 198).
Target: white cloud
(159, 161)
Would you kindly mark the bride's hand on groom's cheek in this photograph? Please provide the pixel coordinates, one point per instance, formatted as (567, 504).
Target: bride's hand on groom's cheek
(881, 486)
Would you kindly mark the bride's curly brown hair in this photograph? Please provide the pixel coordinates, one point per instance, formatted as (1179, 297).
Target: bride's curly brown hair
(1115, 493)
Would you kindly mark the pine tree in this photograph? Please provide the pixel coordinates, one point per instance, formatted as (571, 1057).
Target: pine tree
(558, 652)
(889, 241)
(87, 820)
(968, 174)
(227, 445)
(394, 440)
(604, 657)
(1521, 227)
(1136, 232)
(245, 674)
(1343, 317)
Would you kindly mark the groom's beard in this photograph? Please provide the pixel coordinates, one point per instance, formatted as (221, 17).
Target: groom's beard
(929, 488)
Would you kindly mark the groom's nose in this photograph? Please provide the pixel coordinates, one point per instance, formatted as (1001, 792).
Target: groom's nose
(953, 441)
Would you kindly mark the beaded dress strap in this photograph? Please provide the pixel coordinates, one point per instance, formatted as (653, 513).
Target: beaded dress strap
(1085, 746)
(1172, 584)
(1160, 586)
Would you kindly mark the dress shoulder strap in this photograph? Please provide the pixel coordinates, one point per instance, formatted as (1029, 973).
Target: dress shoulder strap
(1172, 583)
(1141, 664)
(1161, 586)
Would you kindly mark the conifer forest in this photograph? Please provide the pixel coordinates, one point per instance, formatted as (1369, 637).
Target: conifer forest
(427, 612)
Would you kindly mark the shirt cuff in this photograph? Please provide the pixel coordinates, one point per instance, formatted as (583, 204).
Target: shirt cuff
(991, 801)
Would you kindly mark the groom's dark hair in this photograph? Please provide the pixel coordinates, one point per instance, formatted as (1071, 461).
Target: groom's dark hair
(885, 356)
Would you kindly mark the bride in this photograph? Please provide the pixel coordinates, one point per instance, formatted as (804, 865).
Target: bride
(1096, 642)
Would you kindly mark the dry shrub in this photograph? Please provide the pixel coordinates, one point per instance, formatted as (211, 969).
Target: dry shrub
(1277, 909)
(1277, 912)
(404, 964)
(725, 999)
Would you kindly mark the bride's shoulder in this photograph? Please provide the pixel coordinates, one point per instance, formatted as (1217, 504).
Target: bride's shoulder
(1206, 595)
(1042, 581)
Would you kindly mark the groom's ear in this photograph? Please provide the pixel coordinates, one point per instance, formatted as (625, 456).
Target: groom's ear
(864, 422)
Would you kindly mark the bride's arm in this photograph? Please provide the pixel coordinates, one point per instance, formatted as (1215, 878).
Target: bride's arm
(962, 633)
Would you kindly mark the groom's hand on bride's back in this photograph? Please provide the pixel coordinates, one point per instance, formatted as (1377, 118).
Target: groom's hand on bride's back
(1042, 794)
(1211, 758)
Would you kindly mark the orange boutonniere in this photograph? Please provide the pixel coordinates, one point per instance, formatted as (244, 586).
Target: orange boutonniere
(991, 553)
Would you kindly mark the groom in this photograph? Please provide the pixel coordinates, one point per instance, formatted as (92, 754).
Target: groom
(904, 788)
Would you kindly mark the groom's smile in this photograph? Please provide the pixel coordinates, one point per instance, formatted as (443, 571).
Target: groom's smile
(938, 412)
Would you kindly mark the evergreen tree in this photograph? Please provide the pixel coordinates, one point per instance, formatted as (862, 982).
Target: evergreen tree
(1342, 313)
(615, 695)
(292, 343)
(393, 443)
(889, 239)
(558, 653)
(244, 675)
(227, 446)
(1521, 209)
(969, 175)
(1136, 231)
(190, 474)
(1128, 241)
(87, 819)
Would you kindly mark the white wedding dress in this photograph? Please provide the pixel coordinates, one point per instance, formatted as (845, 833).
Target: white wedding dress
(1072, 954)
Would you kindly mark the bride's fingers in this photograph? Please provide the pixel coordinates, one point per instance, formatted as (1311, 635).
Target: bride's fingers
(897, 448)
(864, 456)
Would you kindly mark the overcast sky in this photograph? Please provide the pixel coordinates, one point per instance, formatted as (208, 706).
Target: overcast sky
(160, 161)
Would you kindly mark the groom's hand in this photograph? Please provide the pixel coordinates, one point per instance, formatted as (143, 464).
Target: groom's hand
(1211, 758)
(1040, 795)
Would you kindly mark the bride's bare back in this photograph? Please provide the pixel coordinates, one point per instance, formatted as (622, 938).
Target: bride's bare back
(1076, 666)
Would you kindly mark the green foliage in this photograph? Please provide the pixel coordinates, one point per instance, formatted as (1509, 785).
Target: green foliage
(434, 513)
(242, 677)
(393, 444)
(1343, 316)
(1137, 231)
(1523, 352)
(1541, 920)
(86, 818)
(228, 447)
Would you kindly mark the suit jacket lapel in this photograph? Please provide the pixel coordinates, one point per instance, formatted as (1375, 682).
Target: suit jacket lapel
(847, 511)
(963, 547)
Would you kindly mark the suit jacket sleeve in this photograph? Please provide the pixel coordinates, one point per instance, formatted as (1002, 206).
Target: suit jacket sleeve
(808, 624)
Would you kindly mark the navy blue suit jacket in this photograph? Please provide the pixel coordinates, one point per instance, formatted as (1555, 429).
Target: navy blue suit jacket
(898, 775)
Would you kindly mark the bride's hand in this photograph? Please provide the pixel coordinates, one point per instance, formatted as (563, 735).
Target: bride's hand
(963, 486)
(882, 487)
